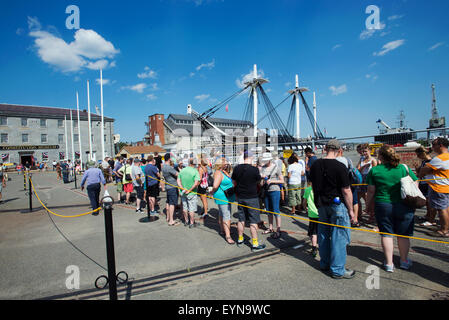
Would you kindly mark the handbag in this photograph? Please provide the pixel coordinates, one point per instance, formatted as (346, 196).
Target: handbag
(127, 175)
(228, 192)
(410, 193)
(264, 189)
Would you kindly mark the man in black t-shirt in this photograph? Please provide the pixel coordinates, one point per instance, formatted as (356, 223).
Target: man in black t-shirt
(246, 177)
(333, 198)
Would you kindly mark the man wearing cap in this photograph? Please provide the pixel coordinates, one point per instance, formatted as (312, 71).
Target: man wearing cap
(93, 177)
(246, 177)
(152, 178)
(333, 198)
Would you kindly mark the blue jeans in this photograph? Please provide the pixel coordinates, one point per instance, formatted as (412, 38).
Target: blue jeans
(93, 191)
(272, 200)
(332, 241)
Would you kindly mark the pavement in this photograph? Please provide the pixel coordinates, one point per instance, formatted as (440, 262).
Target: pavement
(39, 251)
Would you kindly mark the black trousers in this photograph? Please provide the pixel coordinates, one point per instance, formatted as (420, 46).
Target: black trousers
(93, 191)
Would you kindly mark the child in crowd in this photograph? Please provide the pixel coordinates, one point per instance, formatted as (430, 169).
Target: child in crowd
(312, 213)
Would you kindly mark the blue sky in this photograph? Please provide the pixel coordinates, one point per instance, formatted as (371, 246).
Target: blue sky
(159, 56)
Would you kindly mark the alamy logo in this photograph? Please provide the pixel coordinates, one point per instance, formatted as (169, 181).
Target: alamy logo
(373, 281)
(73, 280)
(72, 21)
(373, 20)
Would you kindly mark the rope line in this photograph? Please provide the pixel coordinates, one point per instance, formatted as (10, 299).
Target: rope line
(244, 206)
(306, 219)
(58, 215)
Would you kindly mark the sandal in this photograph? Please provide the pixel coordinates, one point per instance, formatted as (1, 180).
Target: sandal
(427, 224)
(230, 241)
(438, 234)
(276, 235)
(174, 224)
(268, 231)
(355, 224)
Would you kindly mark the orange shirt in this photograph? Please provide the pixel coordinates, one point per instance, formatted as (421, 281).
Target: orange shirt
(440, 172)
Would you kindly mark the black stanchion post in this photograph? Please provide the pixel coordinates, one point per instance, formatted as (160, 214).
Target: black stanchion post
(30, 192)
(24, 180)
(112, 278)
(74, 174)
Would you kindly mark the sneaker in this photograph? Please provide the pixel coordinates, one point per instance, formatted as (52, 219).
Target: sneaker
(258, 248)
(240, 243)
(193, 225)
(314, 252)
(406, 264)
(138, 210)
(389, 268)
(349, 274)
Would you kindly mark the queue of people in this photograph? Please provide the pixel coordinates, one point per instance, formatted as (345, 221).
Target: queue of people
(323, 189)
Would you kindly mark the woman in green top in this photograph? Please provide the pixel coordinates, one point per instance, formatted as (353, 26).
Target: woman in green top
(222, 182)
(384, 199)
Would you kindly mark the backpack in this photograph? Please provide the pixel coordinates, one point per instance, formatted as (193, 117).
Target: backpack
(355, 177)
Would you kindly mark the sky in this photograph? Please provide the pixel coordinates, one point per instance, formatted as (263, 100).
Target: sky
(160, 56)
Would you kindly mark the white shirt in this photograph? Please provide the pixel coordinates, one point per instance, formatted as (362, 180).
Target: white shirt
(296, 169)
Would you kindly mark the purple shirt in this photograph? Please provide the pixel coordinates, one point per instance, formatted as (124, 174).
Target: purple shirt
(93, 175)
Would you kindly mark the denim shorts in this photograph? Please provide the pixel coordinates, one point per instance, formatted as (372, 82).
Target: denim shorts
(172, 196)
(437, 200)
(225, 211)
(394, 218)
(250, 214)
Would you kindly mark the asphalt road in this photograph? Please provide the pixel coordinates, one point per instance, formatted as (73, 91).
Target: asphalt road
(177, 263)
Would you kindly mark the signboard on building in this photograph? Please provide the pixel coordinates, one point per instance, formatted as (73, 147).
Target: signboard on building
(408, 157)
(36, 147)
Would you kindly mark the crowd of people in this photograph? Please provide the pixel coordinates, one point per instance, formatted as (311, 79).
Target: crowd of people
(328, 190)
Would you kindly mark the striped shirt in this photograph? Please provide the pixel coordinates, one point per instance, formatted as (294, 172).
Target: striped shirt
(440, 167)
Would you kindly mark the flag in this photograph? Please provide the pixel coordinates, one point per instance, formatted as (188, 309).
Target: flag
(227, 108)
(61, 155)
(5, 156)
(44, 155)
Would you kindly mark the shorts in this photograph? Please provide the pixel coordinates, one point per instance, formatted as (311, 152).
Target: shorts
(172, 196)
(201, 190)
(128, 187)
(437, 200)
(244, 213)
(139, 192)
(119, 186)
(153, 191)
(189, 202)
(313, 227)
(424, 187)
(294, 196)
(225, 211)
(394, 218)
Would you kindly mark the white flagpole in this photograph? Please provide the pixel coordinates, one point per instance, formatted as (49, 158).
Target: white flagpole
(71, 134)
(89, 123)
(102, 117)
(66, 139)
(79, 130)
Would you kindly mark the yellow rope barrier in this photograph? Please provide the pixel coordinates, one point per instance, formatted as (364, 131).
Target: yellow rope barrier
(289, 216)
(58, 215)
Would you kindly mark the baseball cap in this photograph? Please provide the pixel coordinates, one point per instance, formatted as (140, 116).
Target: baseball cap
(333, 144)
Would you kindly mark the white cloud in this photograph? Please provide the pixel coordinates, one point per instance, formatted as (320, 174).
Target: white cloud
(209, 65)
(88, 50)
(151, 96)
(288, 84)
(395, 17)
(439, 44)
(338, 90)
(148, 73)
(249, 77)
(368, 33)
(202, 97)
(137, 88)
(372, 64)
(390, 46)
(336, 47)
(154, 87)
(105, 81)
(373, 77)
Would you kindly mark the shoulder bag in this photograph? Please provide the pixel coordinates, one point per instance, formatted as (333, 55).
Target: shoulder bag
(410, 193)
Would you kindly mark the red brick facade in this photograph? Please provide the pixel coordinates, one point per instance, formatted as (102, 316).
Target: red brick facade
(156, 126)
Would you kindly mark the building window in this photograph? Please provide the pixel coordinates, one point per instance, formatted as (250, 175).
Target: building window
(60, 138)
(75, 123)
(75, 138)
(4, 138)
(43, 123)
(92, 138)
(3, 121)
(60, 123)
(24, 122)
(43, 138)
(24, 137)
(104, 138)
(160, 118)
